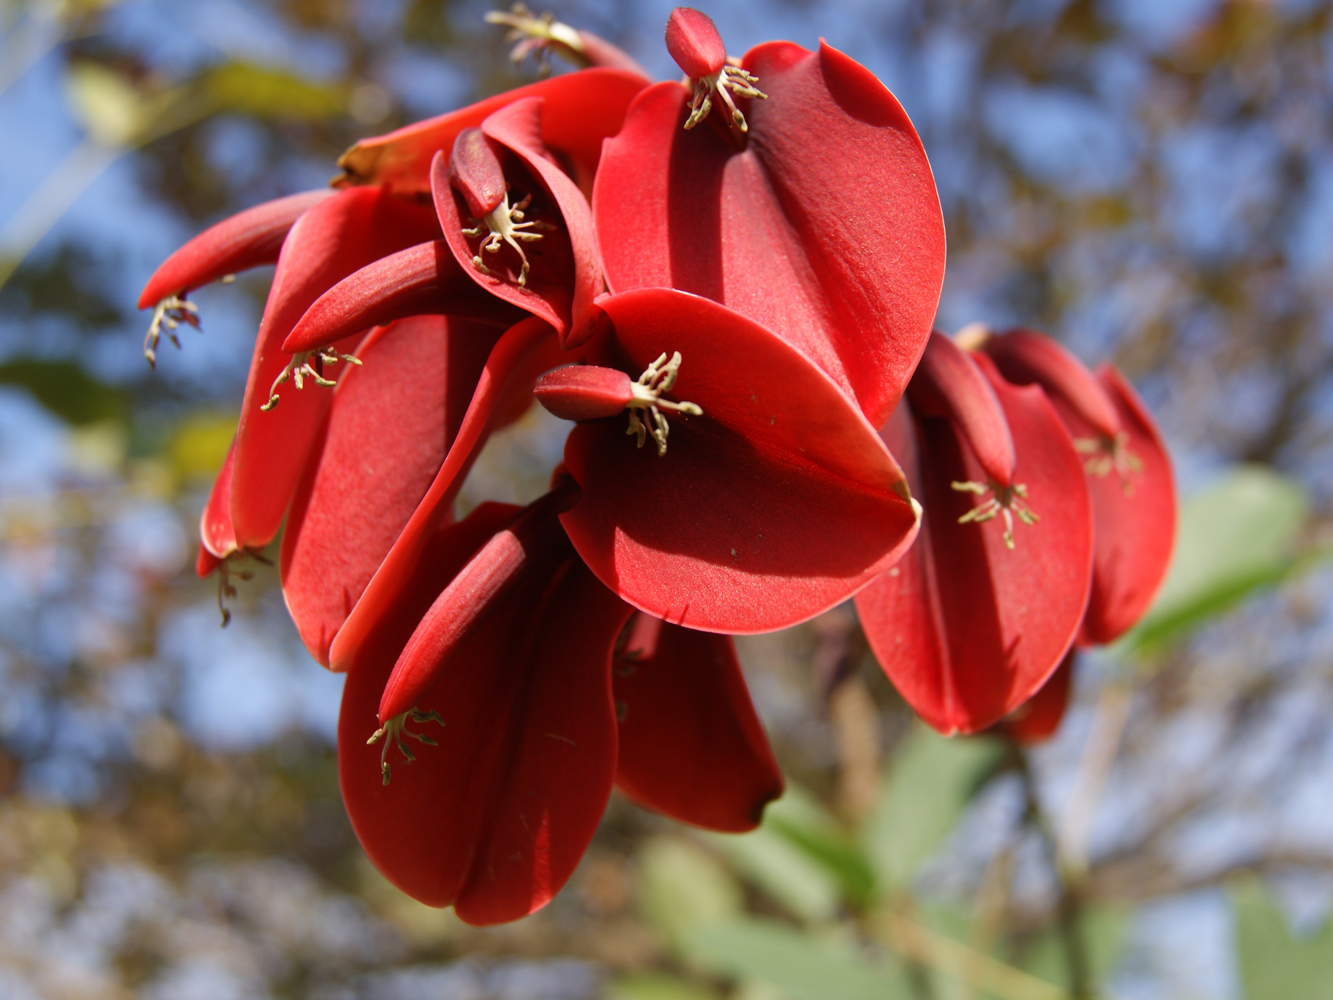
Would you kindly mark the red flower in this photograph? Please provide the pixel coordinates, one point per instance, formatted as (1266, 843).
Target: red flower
(979, 613)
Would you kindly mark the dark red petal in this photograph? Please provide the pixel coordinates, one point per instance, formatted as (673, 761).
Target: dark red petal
(585, 108)
(776, 504)
(966, 628)
(335, 238)
(1025, 356)
(1040, 716)
(1135, 531)
(216, 534)
(584, 392)
(385, 437)
(421, 279)
(948, 383)
(495, 818)
(691, 745)
(524, 352)
(532, 544)
(245, 240)
(826, 228)
(475, 172)
(693, 41)
(519, 127)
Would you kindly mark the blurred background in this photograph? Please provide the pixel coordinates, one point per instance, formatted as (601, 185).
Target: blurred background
(1149, 180)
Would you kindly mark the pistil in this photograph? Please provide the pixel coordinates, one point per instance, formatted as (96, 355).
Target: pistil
(393, 731)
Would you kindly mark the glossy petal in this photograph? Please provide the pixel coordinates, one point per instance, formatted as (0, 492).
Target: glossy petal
(495, 817)
(719, 533)
(216, 533)
(245, 240)
(335, 238)
(583, 109)
(421, 279)
(693, 41)
(826, 228)
(966, 628)
(1025, 356)
(1038, 718)
(386, 434)
(691, 745)
(525, 351)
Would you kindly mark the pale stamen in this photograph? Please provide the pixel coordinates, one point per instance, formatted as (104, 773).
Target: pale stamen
(300, 367)
(538, 34)
(730, 79)
(1007, 502)
(1108, 454)
(171, 312)
(393, 731)
(506, 225)
(657, 378)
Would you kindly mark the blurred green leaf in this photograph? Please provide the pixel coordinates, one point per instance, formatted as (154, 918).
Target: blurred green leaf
(199, 445)
(1234, 538)
(656, 987)
(800, 966)
(800, 820)
(265, 92)
(926, 786)
(681, 886)
(768, 860)
(107, 106)
(1102, 934)
(65, 389)
(1272, 962)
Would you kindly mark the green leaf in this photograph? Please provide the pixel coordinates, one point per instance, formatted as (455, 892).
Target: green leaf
(1234, 538)
(799, 966)
(801, 821)
(66, 389)
(1272, 962)
(106, 105)
(926, 786)
(656, 987)
(681, 885)
(271, 93)
(1102, 935)
(786, 872)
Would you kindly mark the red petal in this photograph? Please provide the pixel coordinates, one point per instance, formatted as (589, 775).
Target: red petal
(584, 392)
(205, 562)
(693, 41)
(1040, 716)
(475, 172)
(584, 108)
(496, 817)
(776, 504)
(385, 437)
(691, 745)
(1135, 531)
(826, 228)
(524, 352)
(966, 628)
(1024, 356)
(421, 279)
(216, 534)
(245, 240)
(338, 236)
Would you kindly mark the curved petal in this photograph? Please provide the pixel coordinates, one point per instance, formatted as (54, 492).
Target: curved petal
(584, 108)
(777, 503)
(386, 434)
(833, 194)
(335, 238)
(1134, 520)
(524, 352)
(216, 533)
(965, 627)
(1039, 717)
(691, 745)
(245, 240)
(421, 279)
(495, 817)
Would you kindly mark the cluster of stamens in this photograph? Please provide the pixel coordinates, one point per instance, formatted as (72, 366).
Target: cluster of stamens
(656, 379)
(1109, 454)
(301, 367)
(170, 313)
(504, 224)
(731, 79)
(393, 731)
(534, 34)
(226, 574)
(1007, 502)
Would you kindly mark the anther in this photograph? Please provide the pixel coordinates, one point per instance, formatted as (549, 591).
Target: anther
(1006, 501)
(393, 731)
(300, 367)
(506, 225)
(1111, 454)
(656, 379)
(171, 312)
(732, 79)
(693, 41)
(533, 34)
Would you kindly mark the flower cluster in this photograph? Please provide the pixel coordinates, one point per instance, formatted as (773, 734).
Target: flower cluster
(728, 282)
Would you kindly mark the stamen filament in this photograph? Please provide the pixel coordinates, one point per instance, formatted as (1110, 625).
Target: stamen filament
(656, 379)
(1006, 502)
(729, 80)
(171, 312)
(1108, 454)
(299, 368)
(506, 225)
(393, 731)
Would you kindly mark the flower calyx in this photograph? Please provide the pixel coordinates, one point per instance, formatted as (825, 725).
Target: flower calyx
(588, 392)
(393, 732)
(170, 312)
(694, 42)
(1007, 502)
(301, 366)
